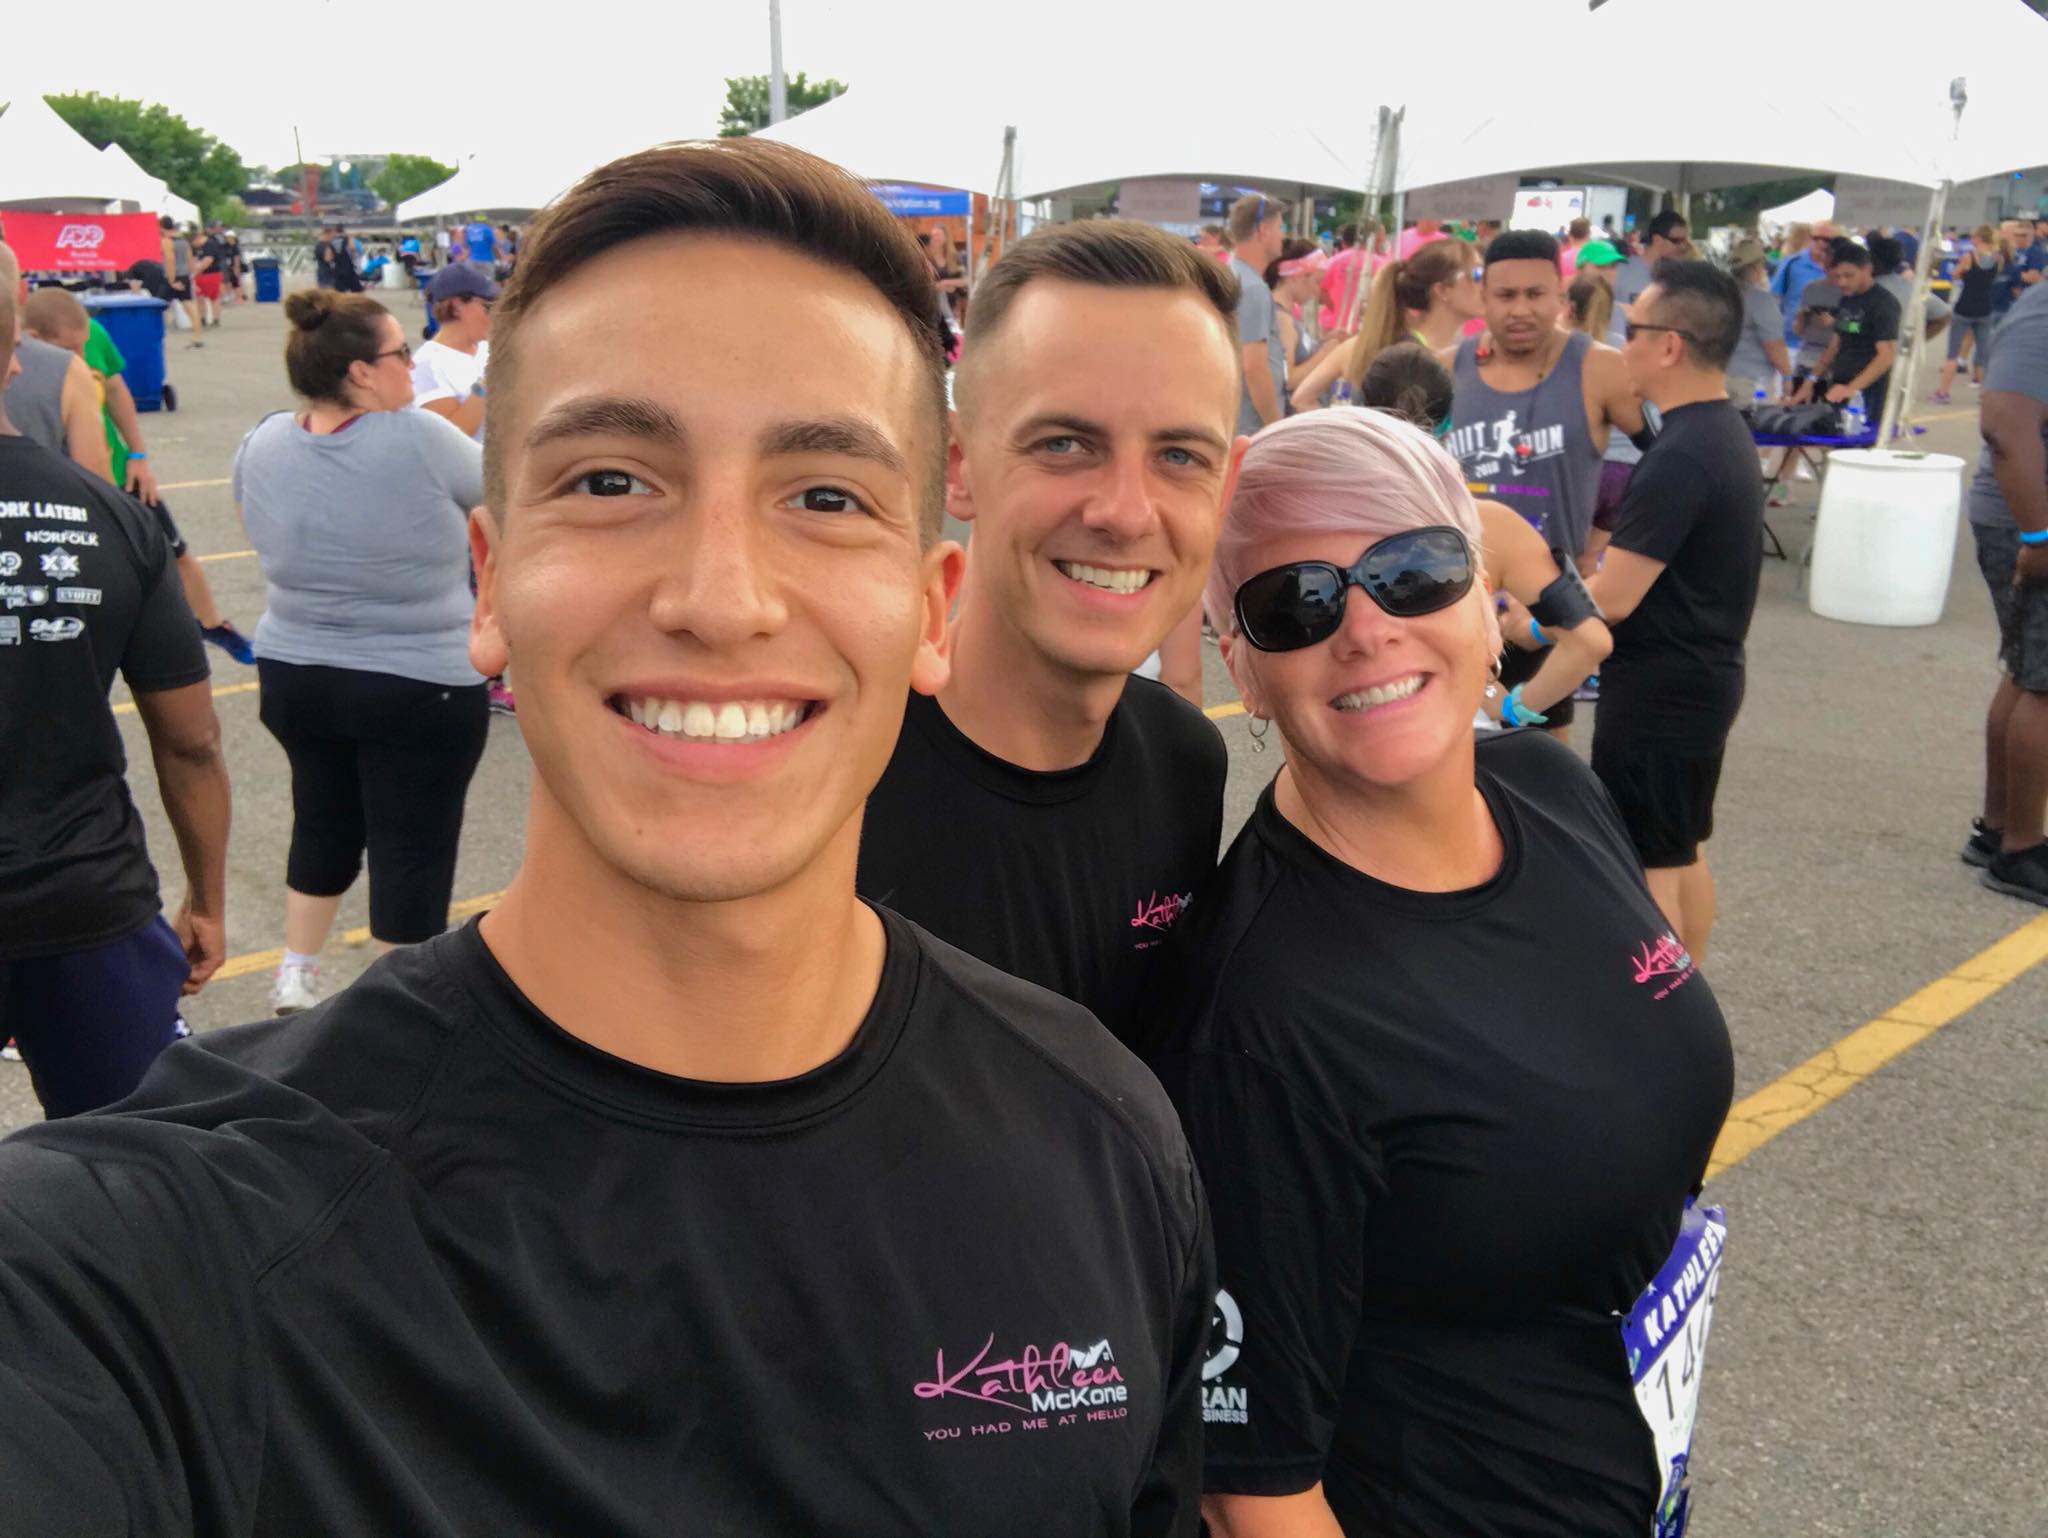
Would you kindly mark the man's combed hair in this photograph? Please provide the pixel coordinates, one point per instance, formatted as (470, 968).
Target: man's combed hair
(745, 187)
(1700, 299)
(1522, 246)
(1108, 253)
(1843, 251)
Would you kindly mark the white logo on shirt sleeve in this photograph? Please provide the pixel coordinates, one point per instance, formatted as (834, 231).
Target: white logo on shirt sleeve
(1221, 1404)
(59, 563)
(10, 631)
(10, 562)
(66, 628)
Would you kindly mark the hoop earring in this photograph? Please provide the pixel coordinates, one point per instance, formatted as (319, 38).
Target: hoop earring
(1258, 728)
(1493, 679)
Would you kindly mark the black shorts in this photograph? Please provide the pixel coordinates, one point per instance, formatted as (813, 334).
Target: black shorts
(181, 288)
(1518, 667)
(1665, 796)
(2022, 611)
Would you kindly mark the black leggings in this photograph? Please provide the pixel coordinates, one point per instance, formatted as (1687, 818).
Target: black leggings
(380, 762)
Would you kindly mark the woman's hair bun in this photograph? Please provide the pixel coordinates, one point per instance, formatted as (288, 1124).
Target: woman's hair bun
(308, 308)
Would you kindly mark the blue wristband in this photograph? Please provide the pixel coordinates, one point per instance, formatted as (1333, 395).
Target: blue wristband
(1536, 632)
(2035, 537)
(1514, 713)
(138, 454)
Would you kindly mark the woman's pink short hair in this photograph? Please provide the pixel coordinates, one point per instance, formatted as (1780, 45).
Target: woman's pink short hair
(1344, 470)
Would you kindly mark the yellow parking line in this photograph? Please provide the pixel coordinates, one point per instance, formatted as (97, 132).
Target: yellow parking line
(265, 961)
(1218, 712)
(189, 485)
(127, 707)
(1834, 1071)
(227, 555)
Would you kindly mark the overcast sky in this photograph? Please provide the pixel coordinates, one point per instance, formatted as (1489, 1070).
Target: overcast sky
(446, 80)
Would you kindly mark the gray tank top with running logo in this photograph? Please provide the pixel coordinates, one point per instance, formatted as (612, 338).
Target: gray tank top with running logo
(1531, 449)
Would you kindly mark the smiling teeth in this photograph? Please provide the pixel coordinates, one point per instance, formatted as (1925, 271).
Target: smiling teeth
(1380, 694)
(1111, 579)
(726, 721)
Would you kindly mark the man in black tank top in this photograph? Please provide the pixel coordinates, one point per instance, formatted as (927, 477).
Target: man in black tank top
(1093, 448)
(1533, 409)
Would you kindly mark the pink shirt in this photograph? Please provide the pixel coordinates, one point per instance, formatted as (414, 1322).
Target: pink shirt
(1412, 239)
(1337, 285)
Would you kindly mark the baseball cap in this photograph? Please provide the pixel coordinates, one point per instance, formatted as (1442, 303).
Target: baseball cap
(458, 282)
(1600, 253)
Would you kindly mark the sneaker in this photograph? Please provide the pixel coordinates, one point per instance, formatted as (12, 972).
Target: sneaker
(1983, 844)
(230, 640)
(1588, 693)
(501, 699)
(2024, 874)
(195, 342)
(1941, 396)
(10, 1053)
(294, 989)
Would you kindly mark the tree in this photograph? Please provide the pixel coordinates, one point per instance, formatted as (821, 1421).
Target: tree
(746, 100)
(198, 167)
(407, 176)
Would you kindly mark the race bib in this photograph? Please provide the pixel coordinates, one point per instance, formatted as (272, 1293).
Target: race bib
(1665, 1336)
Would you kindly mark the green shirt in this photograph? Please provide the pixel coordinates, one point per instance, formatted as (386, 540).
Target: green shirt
(105, 361)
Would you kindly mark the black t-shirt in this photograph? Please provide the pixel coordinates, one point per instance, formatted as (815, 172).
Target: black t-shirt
(151, 276)
(1862, 321)
(87, 590)
(1071, 878)
(421, 1262)
(215, 251)
(1445, 1137)
(1696, 503)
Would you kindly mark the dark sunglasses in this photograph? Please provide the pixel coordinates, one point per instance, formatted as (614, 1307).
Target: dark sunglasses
(403, 350)
(1412, 573)
(1630, 328)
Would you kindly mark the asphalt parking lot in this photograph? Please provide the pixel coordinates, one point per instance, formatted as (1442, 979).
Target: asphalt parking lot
(1881, 1342)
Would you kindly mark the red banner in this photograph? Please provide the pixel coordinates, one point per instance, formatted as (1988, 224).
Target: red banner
(81, 242)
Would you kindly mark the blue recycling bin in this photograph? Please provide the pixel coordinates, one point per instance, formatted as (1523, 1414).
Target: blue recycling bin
(136, 323)
(269, 279)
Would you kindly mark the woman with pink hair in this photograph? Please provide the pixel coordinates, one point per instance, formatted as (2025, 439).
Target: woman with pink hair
(1450, 1081)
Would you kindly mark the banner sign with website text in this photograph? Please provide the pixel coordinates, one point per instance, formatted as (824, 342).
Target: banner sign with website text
(925, 202)
(81, 242)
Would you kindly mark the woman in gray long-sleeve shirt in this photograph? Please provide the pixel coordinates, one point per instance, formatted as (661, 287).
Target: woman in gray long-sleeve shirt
(358, 509)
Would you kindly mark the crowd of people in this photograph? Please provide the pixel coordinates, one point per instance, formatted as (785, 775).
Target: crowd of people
(870, 1045)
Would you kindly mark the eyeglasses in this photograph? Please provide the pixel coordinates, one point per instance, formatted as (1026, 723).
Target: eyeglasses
(1416, 572)
(403, 350)
(1630, 328)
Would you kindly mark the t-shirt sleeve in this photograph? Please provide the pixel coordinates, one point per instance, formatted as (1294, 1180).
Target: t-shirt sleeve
(163, 650)
(1664, 499)
(1254, 314)
(2019, 362)
(1288, 1194)
(455, 460)
(129, 1381)
(427, 383)
(101, 355)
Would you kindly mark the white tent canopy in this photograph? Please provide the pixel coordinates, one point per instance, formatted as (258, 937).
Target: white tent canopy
(1817, 205)
(501, 182)
(873, 132)
(146, 192)
(1877, 108)
(47, 164)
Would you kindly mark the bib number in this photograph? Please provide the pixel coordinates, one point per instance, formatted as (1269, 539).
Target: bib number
(1665, 1336)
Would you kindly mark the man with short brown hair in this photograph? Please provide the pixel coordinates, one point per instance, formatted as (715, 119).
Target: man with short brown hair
(1093, 452)
(685, 1191)
(1258, 226)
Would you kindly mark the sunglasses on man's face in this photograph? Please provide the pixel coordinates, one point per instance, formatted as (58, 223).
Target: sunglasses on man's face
(1409, 574)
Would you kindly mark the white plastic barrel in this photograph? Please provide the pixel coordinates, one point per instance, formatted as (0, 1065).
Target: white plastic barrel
(395, 276)
(1885, 538)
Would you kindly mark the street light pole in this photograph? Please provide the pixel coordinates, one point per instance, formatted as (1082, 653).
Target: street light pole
(778, 89)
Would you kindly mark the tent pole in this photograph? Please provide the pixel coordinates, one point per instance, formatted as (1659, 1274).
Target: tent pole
(1906, 370)
(1386, 156)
